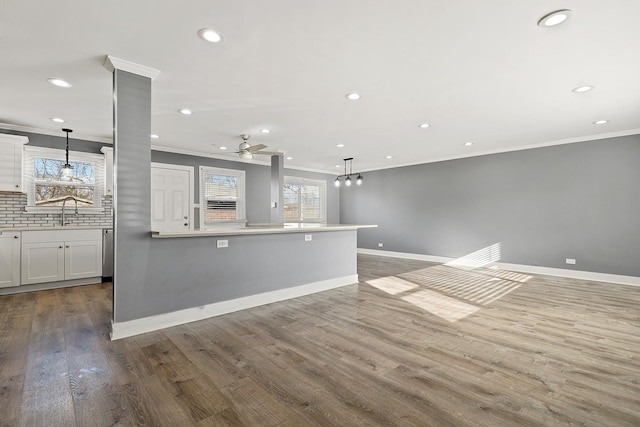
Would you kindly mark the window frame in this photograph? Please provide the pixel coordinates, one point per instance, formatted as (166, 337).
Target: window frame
(241, 201)
(31, 152)
(322, 184)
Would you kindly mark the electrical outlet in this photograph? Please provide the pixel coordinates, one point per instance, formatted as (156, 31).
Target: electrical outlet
(571, 261)
(222, 243)
(308, 237)
(380, 245)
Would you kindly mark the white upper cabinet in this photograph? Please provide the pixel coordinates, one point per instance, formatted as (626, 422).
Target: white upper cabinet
(11, 148)
(108, 169)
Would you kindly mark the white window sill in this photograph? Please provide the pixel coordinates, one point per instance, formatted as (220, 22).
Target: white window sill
(58, 209)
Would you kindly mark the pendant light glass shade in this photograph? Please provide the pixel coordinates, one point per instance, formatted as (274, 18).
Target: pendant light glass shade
(347, 176)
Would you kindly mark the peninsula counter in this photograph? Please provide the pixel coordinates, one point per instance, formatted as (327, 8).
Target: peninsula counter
(251, 267)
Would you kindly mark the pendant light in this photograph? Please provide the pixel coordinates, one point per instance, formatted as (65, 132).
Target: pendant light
(347, 176)
(67, 169)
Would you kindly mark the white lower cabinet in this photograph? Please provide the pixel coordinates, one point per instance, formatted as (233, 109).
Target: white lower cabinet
(9, 259)
(82, 259)
(55, 255)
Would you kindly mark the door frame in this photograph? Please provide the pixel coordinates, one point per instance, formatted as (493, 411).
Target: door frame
(189, 169)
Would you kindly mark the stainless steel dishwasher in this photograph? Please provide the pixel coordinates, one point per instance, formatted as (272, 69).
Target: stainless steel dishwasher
(107, 254)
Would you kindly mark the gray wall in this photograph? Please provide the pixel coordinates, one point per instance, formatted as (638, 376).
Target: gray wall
(191, 272)
(543, 205)
(258, 184)
(131, 192)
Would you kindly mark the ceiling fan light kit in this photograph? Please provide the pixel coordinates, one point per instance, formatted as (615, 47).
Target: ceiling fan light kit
(347, 176)
(246, 150)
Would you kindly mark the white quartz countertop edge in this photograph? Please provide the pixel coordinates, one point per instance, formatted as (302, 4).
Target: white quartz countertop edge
(56, 228)
(257, 230)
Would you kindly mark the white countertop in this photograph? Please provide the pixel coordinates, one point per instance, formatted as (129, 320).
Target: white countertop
(56, 227)
(262, 229)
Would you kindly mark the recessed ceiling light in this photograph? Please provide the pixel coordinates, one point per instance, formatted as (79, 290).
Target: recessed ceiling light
(468, 144)
(223, 148)
(265, 131)
(340, 145)
(59, 82)
(209, 35)
(185, 111)
(554, 18)
(581, 89)
(424, 125)
(289, 158)
(57, 120)
(154, 136)
(600, 122)
(389, 157)
(352, 96)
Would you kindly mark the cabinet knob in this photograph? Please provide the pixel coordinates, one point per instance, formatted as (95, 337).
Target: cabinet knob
(15, 237)
(67, 246)
(186, 224)
(17, 186)
(186, 217)
(59, 247)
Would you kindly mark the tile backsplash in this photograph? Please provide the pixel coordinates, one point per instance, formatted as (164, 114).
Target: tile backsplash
(12, 214)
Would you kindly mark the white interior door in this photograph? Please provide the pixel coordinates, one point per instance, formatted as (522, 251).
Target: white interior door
(171, 197)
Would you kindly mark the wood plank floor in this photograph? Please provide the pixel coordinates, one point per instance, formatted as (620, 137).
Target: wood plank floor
(413, 343)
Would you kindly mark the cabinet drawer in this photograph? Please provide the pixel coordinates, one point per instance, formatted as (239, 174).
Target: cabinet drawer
(46, 236)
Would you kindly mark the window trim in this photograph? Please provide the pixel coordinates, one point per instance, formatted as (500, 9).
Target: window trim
(241, 202)
(28, 173)
(323, 198)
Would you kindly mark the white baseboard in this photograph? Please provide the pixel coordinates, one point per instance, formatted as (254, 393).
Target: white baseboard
(50, 285)
(152, 323)
(405, 255)
(548, 271)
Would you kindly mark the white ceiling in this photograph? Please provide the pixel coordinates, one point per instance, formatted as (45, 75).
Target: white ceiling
(479, 71)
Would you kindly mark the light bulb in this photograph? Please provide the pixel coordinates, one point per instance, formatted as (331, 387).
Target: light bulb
(347, 181)
(359, 180)
(337, 182)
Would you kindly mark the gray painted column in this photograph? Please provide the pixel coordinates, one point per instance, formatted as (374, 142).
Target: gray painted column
(277, 192)
(132, 177)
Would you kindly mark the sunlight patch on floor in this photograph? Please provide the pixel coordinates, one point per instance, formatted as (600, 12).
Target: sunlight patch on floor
(456, 289)
(445, 307)
(392, 285)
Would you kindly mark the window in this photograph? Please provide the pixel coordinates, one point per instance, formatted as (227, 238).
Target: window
(304, 200)
(47, 187)
(222, 197)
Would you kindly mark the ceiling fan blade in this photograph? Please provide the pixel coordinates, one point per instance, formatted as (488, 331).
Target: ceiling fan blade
(271, 153)
(255, 148)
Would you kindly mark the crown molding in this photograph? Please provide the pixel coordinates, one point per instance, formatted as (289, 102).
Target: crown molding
(28, 129)
(112, 63)
(573, 140)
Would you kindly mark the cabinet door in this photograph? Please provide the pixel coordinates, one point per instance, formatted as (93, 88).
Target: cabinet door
(10, 165)
(9, 259)
(82, 259)
(42, 262)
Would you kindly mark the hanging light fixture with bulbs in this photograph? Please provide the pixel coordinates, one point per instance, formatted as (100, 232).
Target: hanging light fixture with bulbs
(67, 169)
(347, 176)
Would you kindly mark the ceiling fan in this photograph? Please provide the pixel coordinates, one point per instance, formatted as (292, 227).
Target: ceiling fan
(246, 150)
